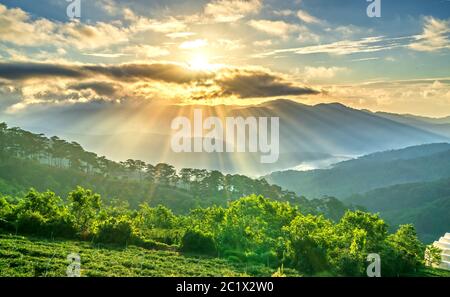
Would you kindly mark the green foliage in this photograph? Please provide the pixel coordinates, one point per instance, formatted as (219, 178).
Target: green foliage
(309, 240)
(424, 204)
(378, 170)
(197, 241)
(433, 255)
(374, 230)
(43, 214)
(158, 217)
(84, 207)
(115, 230)
(253, 231)
(32, 160)
(6, 210)
(404, 251)
(37, 257)
(283, 230)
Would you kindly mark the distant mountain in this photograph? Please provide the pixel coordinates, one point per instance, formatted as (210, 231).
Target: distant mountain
(439, 126)
(413, 164)
(426, 205)
(307, 133)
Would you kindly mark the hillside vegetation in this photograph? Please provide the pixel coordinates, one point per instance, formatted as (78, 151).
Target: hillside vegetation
(405, 186)
(221, 217)
(30, 160)
(426, 205)
(25, 257)
(413, 164)
(252, 231)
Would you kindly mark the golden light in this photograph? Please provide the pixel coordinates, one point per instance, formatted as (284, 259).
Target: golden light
(200, 62)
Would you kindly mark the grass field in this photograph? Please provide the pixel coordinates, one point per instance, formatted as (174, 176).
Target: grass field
(23, 256)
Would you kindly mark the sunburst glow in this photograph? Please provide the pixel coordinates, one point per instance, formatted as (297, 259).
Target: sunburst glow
(200, 62)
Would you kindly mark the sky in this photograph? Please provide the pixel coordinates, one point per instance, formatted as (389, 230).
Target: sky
(225, 52)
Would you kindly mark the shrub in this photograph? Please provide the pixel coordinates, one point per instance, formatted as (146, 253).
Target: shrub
(30, 222)
(349, 265)
(196, 241)
(151, 244)
(115, 230)
(167, 236)
(234, 256)
(6, 214)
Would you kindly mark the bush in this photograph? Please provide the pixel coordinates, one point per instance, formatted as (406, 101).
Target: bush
(115, 230)
(30, 222)
(33, 222)
(349, 265)
(61, 227)
(151, 244)
(167, 236)
(196, 241)
(6, 214)
(234, 256)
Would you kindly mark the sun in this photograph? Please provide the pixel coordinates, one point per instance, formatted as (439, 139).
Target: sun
(200, 62)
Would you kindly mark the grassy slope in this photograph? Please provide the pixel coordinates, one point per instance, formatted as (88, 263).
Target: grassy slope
(22, 256)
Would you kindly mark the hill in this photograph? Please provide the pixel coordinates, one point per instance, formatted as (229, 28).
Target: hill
(307, 133)
(412, 164)
(439, 126)
(426, 205)
(30, 160)
(405, 186)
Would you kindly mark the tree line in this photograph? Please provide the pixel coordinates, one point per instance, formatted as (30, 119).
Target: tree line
(59, 153)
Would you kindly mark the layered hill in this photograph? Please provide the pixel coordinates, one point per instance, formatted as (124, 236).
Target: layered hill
(308, 133)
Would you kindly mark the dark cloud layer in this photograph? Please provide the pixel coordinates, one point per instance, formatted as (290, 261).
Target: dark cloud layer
(258, 84)
(101, 88)
(171, 73)
(20, 71)
(106, 80)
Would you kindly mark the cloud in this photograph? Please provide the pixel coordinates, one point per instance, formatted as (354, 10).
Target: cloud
(100, 88)
(169, 25)
(17, 27)
(276, 28)
(84, 36)
(307, 18)
(192, 44)
(145, 51)
(346, 47)
(435, 36)
(305, 35)
(167, 72)
(427, 96)
(180, 34)
(323, 72)
(45, 83)
(21, 71)
(226, 11)
(105, 55)
(263, 43)
(257, 84)
(285, 12)
(227, 44)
